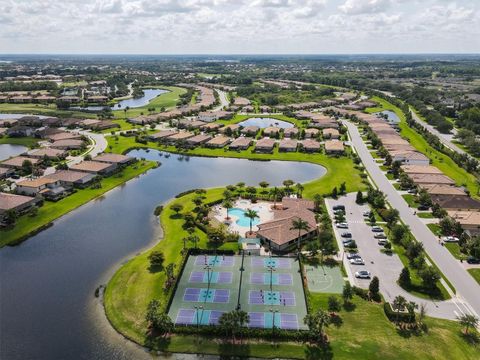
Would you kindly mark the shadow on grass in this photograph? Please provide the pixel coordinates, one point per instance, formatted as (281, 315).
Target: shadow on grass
(153, 269)
(349, 306)
(227, 351)
(157, 342)
(433, 294)
(176, 216)
(318, 352)
(471, 338)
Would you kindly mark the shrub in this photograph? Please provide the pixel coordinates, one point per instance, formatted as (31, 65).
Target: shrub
(392, 315)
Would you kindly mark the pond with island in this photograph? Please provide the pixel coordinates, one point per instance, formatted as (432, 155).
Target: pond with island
(264, 122)
(48, 306)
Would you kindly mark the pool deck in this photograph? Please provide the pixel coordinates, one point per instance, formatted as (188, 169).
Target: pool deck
(263, 209)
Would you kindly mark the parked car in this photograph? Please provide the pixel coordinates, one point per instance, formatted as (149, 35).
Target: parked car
(363, 274)
(347, 235)
(345, 241)
(423, 207)
(350, 244)
(473, 260)
(377, 229)
(380, 236)
(342, 226)
(338, 207)
(367, 213)
(352, 255)
(15, 176)
(382, 242)
(450, 239)
(412, 191)
(357, 261)
(339, 212)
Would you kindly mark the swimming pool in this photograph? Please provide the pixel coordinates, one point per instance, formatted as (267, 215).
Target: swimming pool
(242, 219)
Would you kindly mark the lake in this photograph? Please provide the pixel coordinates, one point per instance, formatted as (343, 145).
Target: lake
(9, 150)
(265, 122)
(48, 308)
(149, 94)
(391, 116)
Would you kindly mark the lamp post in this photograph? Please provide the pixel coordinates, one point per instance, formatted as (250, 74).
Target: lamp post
(273, 318)
(197, 310)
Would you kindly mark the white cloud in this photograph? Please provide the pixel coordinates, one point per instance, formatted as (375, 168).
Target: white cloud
(364, 6)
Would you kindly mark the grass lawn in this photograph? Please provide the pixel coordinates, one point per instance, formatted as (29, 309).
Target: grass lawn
(25, 141)
(425, 215)
(435, 229)
(338, 169)
(166, 100)
(39, 109)
(454, 249)
(475, 273)
(441, 161)
(365, 333)
(50, 211)
(411, 200)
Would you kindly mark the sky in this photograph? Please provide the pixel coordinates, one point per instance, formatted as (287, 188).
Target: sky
(239, 26)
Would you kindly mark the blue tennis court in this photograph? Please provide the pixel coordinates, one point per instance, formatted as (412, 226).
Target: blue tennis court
(276, 263)
(217, 260)
(222, 277)
(259, 297)
(206, 295)
(276, 279)
(267, 320)
(200, 317)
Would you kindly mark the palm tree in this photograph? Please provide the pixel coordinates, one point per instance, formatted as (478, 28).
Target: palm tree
(299, 189)
(399, 304)
(227, 204)
(317, 200)
(299, 224)
(468, 321)
(242, 318)
(288, 184)
(274, 193)
(194, 239)
(317, 322)
(263, 185)
(251, 214)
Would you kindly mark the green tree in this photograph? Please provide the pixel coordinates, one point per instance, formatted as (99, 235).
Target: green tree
(227, 204)
(252, 215)
(317, 202)
(300, 189)
(333, 303)
(288, 184)
(156, 258)
(300, 225)
(317, 322)
(399, 304)
(359, 200)
(158, 319)
(27, 167)
(347, 293)
(334, 193)
(274, 193)
(177, 208)
(374, 288)
(264, 185)
(404, 278)
(343, 188)
(430, 277)
(468, 321)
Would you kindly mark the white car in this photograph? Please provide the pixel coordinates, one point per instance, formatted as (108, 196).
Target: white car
(450, 239)
(342, 226)
(363, 274)
(366, 213)
(352, 255)
(377, 229)
(357, 261)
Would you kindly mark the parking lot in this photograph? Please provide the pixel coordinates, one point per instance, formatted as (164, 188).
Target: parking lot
(386, 267)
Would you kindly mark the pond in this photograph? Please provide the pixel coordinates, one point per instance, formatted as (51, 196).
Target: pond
(48, 308)
(9, 150)
(265, 122)
(392, 117)
(149, 94)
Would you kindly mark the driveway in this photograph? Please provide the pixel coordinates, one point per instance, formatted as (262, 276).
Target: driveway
(386, 267)
(467, 289)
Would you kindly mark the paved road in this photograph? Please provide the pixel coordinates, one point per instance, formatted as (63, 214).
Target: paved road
(445, 139)
(222, 95)
(386, 267)
(468, 290)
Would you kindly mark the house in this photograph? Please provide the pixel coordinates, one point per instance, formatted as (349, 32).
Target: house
(241, 101)
(456, 202)
(420, 169)
(250, 130)
(121, 160)
(89, 123)
(20, 131)
(330, 133)
(440, 189)
(420, 179)
(63, 136)
(290, 132)
(104, 125)
(47, 152)
(334, 147)
(71, 178)
(271, 131)
(241, 143)
(48, 188)
(288, 145)
(310, 145)
(265, 145)
(179, 137)
(409, 157)
(229, 129)
(45, 132)
(218, 142)
(17, 203)
(211, 127)
(209, 116)
(187, 124)
(198, 139)
(17, 162)
(68, 144)
(94, 167)
(469, 220)
(278, 233)
(159, 136)
(8, 122)
(311, 133)
(3, 131)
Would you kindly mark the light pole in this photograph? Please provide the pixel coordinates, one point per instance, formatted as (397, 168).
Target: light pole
(271, 268)
(197, 310)
(273, 318)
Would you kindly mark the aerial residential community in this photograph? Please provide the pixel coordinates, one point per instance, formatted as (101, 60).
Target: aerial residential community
(294, 205)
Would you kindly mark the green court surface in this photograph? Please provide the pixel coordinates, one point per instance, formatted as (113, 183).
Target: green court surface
(324, 279)
(270, 290)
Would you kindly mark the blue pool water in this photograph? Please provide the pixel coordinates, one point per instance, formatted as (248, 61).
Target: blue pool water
(265, 122)
(242, 219)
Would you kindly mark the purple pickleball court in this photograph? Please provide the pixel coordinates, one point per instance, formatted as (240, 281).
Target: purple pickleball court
(287, 298)
(288, 321)
(191, 294)
(196, 277)
(285, 279)
(185, 316)
(257, 319)
(221, 296)
(225, 277)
